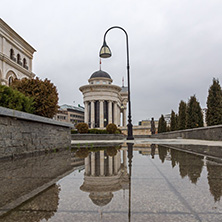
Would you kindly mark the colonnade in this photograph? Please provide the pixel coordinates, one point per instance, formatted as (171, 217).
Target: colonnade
(104, 167)
(99, 113)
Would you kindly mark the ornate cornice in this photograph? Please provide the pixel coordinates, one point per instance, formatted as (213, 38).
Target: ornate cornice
(16, 66)
(99, 86)
(10, 34)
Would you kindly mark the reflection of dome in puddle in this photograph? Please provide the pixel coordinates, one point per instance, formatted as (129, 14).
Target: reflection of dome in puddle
(101, 198)
(103, 175)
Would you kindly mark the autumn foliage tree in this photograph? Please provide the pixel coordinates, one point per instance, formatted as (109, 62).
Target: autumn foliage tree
(44, 94)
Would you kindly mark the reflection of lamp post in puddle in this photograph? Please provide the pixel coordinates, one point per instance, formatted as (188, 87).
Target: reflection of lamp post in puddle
(130, 157)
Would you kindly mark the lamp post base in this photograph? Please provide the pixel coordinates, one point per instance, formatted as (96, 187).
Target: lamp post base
(130, 132)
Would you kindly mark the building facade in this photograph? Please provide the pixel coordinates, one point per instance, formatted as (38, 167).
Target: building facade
(16, 56)
(72, 114)
(104, 103)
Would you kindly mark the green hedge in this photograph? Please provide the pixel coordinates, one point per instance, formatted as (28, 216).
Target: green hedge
(97, 131)
(14, 99)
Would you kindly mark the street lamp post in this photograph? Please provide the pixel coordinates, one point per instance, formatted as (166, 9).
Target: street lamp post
(105, 52)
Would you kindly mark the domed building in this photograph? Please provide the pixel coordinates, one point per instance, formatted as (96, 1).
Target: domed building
(104, 103)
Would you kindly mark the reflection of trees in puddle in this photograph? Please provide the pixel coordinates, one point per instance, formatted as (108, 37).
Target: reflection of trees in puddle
(215, 179)
(189, 165)
(40, 207)
(162, 152)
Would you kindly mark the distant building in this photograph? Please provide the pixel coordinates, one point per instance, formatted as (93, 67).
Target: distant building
(167, 118)
(148, 123)
(15, 56)
(204, 111)
(72, 114)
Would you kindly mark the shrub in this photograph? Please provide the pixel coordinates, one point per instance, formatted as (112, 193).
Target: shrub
(118, 131)
(82, 153)
(111, 151)
(44, 94)
(14, 99)
(111, 128)
(82, 127)
(73, 131)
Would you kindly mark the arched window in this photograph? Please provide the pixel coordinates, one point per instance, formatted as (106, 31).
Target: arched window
(19, 59)
(11, 53)
(10, 80)
(24, 63)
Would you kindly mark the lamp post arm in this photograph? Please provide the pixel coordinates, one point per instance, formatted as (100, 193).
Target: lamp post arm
(130, 126)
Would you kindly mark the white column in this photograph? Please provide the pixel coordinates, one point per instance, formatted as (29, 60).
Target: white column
(124, 158)
(101, 154)
(124, 117)
(110, 165)
(93, 164)
(118, 116)
(115, 164)
(86, 113)
(110, 112)
(101, 114)
(115, 113)
(119, 159)
(87, 167)
(92, 114)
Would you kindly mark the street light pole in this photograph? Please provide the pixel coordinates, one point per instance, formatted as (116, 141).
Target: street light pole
(105, 52)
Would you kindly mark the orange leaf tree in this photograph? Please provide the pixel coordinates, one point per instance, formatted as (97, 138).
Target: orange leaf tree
(44, 93)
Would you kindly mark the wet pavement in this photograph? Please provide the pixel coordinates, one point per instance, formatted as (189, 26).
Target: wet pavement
(140, 182)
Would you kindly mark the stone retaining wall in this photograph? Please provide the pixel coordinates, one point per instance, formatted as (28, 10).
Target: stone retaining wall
(202, 133)
(22, 133)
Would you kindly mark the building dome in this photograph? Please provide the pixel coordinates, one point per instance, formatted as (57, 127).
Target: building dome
(100, 74)
(101, 199)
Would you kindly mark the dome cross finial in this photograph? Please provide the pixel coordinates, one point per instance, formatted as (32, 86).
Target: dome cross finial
(100, 63)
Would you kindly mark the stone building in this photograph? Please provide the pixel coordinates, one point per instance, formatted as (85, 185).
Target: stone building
(104, 103)
(70, 114)
(15, 56)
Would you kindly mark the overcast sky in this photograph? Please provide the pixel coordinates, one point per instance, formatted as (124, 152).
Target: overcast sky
(175, 46)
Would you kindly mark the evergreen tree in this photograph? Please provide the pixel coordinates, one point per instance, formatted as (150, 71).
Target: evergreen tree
(182, 115)
(214, 104)
(162, 126)
(177, 122)
(173, 121)
(194, 113)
